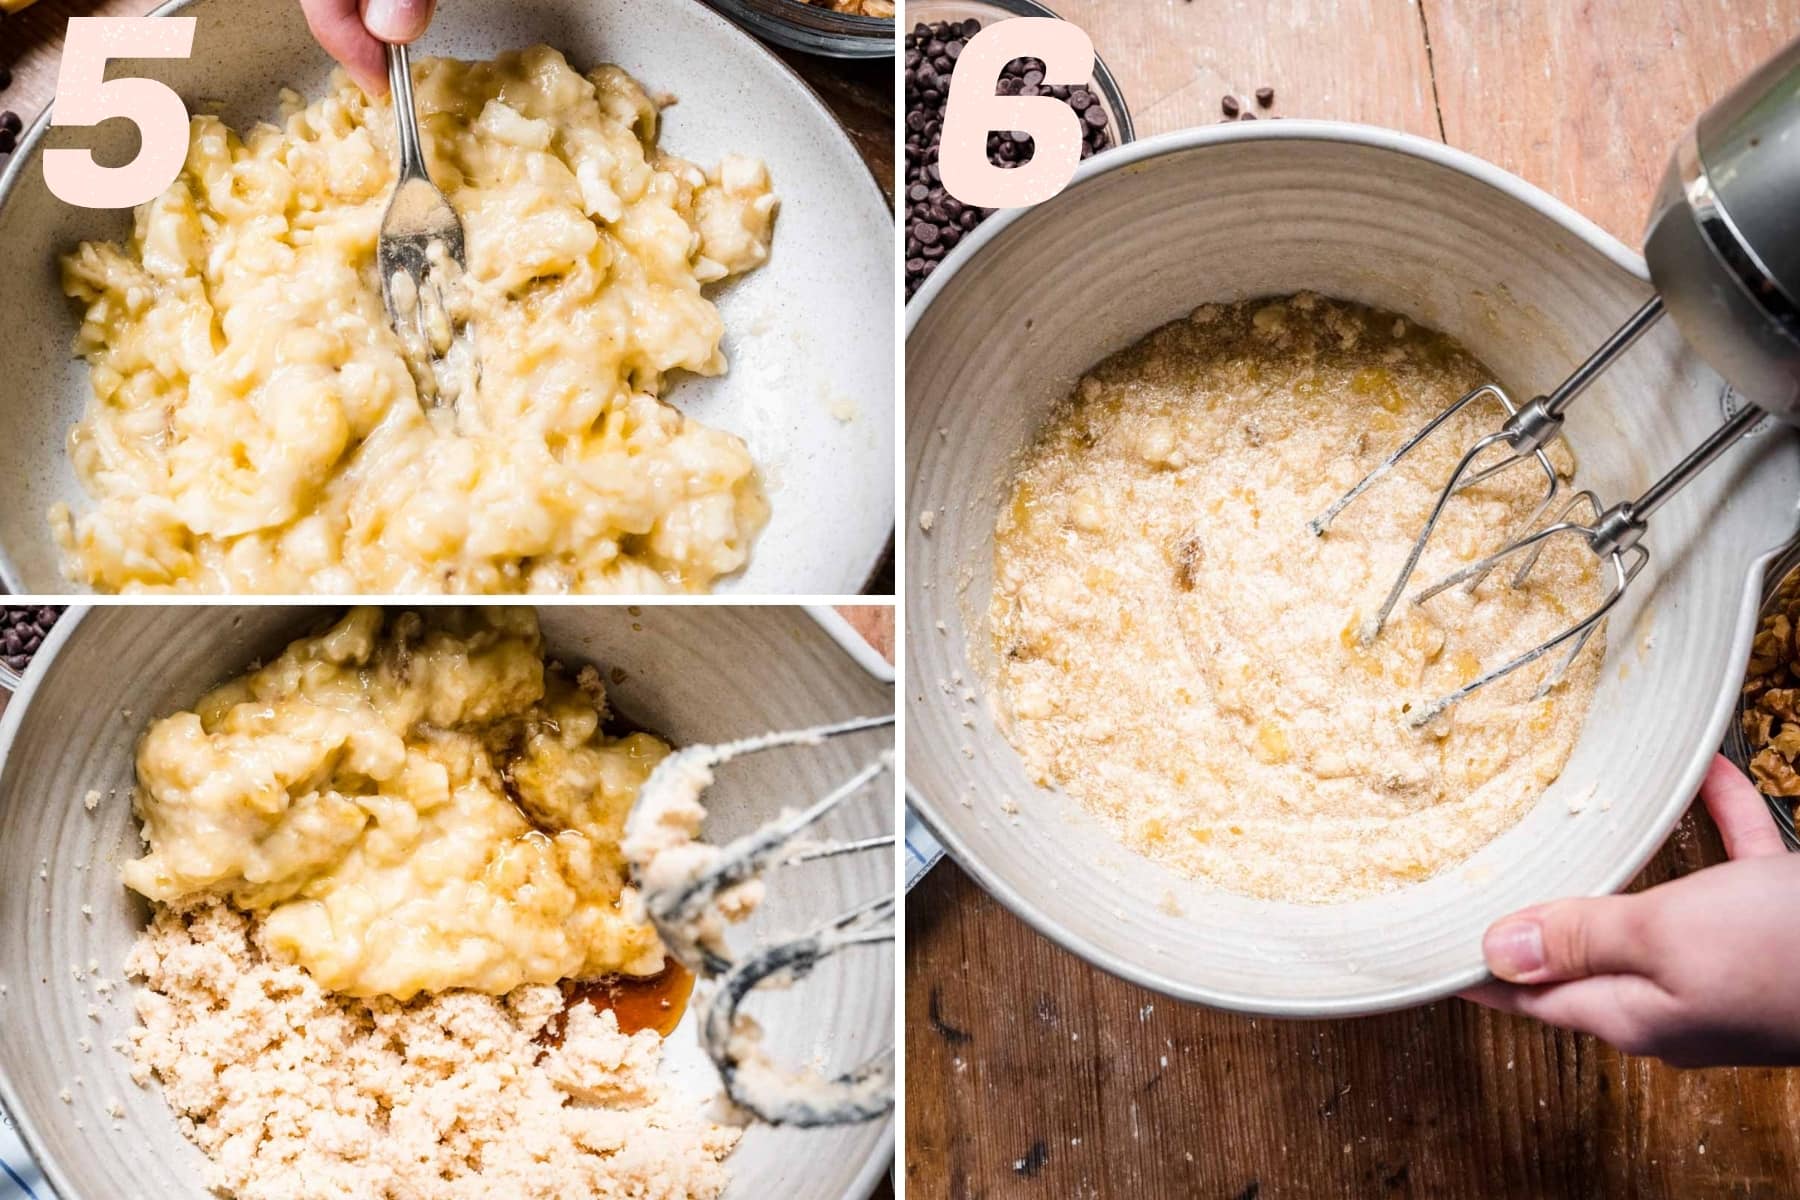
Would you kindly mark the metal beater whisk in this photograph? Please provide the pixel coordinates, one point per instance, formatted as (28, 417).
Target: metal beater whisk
(1724, 253)
(691, 904)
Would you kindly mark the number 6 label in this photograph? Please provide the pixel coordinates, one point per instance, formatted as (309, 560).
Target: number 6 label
(973, 110)
(86, 97)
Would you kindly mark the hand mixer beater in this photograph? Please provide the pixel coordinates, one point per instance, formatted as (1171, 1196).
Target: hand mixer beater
(1723, 248)
(691, 890)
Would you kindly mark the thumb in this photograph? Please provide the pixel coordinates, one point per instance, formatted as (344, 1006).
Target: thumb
(1569, 939)
(1740, 812)
(397, 20)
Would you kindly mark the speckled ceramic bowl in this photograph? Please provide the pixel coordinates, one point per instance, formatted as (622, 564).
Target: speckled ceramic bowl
(810, 335)
(1145, 234)
(694, 673)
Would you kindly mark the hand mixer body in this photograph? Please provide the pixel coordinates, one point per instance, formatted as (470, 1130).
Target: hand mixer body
(1724, 252)
(1723, 240)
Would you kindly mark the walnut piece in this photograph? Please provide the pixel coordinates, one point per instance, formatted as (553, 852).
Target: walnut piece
(1782, 702)
(1775, 775)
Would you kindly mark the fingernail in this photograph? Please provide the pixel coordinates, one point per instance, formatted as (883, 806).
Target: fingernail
(1515, 950)
(396, 20)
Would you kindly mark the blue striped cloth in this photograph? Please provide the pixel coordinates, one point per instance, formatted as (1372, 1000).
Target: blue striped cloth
(19, 1177)
(922, 850)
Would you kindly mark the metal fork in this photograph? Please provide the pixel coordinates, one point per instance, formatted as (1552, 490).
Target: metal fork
(421, 243)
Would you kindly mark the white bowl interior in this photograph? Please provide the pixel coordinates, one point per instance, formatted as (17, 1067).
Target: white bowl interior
(692, 673)
(1146, 235)
(810, 335)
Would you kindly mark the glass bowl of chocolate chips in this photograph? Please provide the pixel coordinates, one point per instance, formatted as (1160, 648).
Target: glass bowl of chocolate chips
(22, 630)
(937, 31)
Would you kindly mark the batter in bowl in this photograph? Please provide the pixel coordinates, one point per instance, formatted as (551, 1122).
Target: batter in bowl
(1179, 653)
(393, 922)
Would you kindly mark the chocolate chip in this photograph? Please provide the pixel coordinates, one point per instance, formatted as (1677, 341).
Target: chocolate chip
(8, 141)
(1228, 104)
(22, 633)
(1265, 96)
(5, 77)
(934, 221)
(1247, 116)
(10, 121)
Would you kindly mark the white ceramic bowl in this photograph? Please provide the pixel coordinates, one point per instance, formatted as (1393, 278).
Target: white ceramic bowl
(810, 335)
(1144, 235)
(693, 673)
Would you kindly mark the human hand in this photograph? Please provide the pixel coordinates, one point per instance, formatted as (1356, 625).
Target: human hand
(1700, 971)
(354, 33)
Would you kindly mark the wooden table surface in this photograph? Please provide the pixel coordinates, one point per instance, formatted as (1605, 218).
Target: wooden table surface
(1031, 1074)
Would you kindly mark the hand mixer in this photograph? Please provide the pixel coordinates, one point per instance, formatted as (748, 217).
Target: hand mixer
(1723, 248)
(690, 890)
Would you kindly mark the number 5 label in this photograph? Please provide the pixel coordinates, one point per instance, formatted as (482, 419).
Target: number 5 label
(86, 97)
(973, 110)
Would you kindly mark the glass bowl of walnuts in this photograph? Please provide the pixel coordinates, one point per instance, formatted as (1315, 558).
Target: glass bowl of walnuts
(1765, 738)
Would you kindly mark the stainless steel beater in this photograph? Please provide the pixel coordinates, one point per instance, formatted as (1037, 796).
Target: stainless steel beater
(1723, 247)
(691, 908)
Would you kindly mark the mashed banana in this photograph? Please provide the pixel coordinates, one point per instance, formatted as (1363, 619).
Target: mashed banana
(254, 425)
(1181, 654)
(409, 804)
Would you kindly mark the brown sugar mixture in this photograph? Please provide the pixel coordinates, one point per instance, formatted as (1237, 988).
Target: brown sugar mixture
(298, 1094)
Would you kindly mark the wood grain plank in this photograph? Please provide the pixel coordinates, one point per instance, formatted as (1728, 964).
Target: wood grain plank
(1350, 60)
(1586, 99)
(876, 624)
(31, 41)
(1021, 1082)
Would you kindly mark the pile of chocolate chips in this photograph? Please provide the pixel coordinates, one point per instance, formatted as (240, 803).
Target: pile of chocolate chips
(1238, 110)
(10, 124)
(22, 631)
(935, 220)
